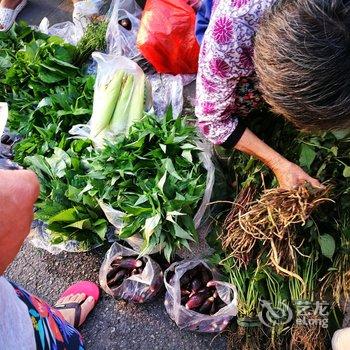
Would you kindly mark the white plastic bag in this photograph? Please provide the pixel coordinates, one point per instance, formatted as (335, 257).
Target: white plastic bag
(193, 320)
(40, 237)
(121, 41)
(137, 288)
(168, 90)
(107, 66)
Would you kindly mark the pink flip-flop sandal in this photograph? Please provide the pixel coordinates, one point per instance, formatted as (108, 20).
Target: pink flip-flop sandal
(86, 287)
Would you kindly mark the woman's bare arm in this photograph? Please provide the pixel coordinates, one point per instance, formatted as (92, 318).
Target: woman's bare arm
(289, 175)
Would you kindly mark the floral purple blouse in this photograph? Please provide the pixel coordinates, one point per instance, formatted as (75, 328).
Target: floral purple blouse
(226, 67)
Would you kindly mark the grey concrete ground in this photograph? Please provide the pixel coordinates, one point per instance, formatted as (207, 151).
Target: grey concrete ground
(56, 10)
(113, 324)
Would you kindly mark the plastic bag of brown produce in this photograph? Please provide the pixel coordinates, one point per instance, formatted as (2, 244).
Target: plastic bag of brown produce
(196, 300)
(126, 276)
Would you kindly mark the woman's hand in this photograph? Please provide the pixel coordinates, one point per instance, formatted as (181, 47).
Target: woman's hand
(290, 175)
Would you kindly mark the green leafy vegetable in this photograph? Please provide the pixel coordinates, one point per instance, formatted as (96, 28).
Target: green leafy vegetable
(94, 39)
(327, 244)
(155, 186)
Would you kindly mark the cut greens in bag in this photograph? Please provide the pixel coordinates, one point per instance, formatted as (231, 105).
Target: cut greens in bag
(196, 300)
(126, 276)
(119, 99)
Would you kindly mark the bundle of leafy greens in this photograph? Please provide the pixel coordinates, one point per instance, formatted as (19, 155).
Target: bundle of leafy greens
(156, 177)
(65, 203)
(94, 39)
(46, 93)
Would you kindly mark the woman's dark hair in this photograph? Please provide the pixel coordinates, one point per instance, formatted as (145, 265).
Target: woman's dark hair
(302, 59)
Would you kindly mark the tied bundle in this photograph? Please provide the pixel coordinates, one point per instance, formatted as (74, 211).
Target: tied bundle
(270, 220)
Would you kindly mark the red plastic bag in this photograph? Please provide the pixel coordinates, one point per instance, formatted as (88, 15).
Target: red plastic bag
(166, 37)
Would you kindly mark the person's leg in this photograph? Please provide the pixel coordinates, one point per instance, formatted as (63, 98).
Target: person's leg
(9, 10)
(19, 190)
(9, 4)
(87, 304)
(53, 328)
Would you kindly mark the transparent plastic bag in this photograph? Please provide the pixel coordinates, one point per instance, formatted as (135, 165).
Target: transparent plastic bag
(8, 140)
(115, 218)
(128, 37)
(72, 32)
(121, 41)
(64, 30)
(4, 113)
(193, 320)
(167, 90)
(201, 248)
(137, 288)
(40, 237)
(107, 66)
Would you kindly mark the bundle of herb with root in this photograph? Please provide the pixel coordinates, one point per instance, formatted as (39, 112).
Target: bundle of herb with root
(337, 281)
(310, 328)
(239, 246)
(249, 334)
(269, 220)
(277, 312)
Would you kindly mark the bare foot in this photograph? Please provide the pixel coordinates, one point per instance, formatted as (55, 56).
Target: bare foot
(10, 4)
(86, 307)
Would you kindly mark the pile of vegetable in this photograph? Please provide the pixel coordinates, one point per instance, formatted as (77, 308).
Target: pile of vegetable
(283, 250)
(94, 39)
(126, 275)
(46, 93)
(196, 299)
(288, 264)
(155, 176)
(198, 291)
(123, 268)
(150, 170)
